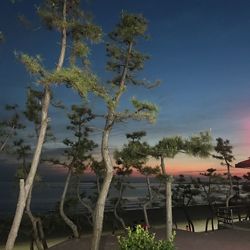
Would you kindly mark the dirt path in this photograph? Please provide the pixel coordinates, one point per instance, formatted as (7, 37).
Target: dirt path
(227, 239)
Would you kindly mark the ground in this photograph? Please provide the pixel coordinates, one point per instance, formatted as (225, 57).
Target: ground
(225, 239)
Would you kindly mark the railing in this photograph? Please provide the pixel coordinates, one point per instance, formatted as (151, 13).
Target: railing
(227, 216)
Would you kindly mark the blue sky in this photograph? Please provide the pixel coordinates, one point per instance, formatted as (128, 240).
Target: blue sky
(199, 50)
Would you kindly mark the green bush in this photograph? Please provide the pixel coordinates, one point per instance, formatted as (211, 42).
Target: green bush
(142, 239)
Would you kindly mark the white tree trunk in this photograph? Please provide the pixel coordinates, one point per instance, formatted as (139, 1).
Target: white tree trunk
(169, 218)
(25, 188)
(85, 204)
(33, 220)
(66, 219)
(120, 219)
(168, 194)
(100, 205)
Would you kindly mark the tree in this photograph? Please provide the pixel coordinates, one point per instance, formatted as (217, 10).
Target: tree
(224, 153)
(23, 151)
(89, 201)
(135, 155)
(148, 171)
(125, 61)
(65, 17)
(120, 182)
(77, 153)
(184, 195)
(169, 147)
(210, 187)
(236, 187)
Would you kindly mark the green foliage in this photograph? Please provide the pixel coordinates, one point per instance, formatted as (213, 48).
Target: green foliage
(136, 136)
(210, 185)
(33, 111)
(184, 193)
(168, 147)
(32, 64)
(198, 146)
(224, 151)
(77, 22)
(121, 49)
(142, 239)
(75, 77)
(34, 106)
(79, 148)
(23, 153)
(80, 49)
(133, 154)
(145, 110)
(130, 28)
(51, 13)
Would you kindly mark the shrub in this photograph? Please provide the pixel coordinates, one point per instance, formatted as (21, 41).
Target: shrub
(142, 239)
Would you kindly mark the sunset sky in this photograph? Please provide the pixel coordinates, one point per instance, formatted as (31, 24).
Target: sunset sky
(199, 49)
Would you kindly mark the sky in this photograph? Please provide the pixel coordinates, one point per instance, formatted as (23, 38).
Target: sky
(199, 50)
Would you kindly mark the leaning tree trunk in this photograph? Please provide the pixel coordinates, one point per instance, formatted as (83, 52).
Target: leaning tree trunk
(100, 205)
(26, 186)
(119, 218)
(33, 220)
(85, 204)
(168, 194)
(41, 233)
(66, 219)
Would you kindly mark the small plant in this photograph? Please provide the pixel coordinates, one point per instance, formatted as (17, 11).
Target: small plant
(142, 239)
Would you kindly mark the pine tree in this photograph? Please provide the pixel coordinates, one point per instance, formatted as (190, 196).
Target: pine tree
(124, 61)
(135, 155)
(77, 153)
(169, 147)
(65, 17)
(210, 187)
(224, 153)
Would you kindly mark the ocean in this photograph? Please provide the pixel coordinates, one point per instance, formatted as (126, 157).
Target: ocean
(46, 195)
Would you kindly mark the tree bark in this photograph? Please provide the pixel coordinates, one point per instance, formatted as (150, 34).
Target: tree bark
(168, 194)
(169, 217)
(25, 187)
(66, 219)
(30, 179)
(100, 205)
(85, 204)
(33, 219)
(119, 218)
(41, 233)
